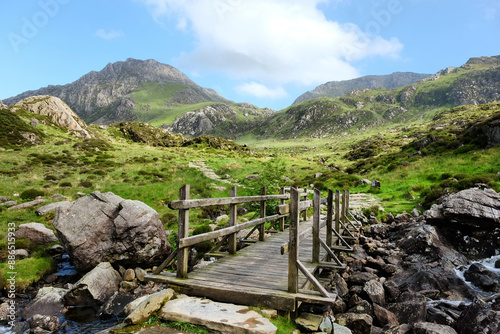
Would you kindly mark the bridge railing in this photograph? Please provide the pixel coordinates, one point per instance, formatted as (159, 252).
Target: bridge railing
(298, 203)
(184, 204)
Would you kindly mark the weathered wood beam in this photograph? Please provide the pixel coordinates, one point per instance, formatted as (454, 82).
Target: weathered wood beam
(285, 208)
(293, 256)
(198, 203)
(302, 235)
(183, 232)
(195, 239)
(312, 279)
(165, 263)
(262, 227)
(233, 221)
(315, 226)
(330, 253)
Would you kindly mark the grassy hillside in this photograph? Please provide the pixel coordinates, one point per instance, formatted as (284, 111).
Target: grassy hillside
(158, 104)
(415, 164)
(474, 83)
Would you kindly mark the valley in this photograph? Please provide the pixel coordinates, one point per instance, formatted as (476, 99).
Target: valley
(142, 130)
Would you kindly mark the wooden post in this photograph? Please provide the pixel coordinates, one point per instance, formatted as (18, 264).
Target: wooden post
(233, 216)
(262, 227)
(315, 231)
(282, 220)
(343, 214)
(293, 242)
(329, 218)
(183, 232)
(304, 215)
(337, 211)
(347, 197)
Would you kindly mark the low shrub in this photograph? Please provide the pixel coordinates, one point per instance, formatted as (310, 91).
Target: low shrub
(86, 184)
(31, 194)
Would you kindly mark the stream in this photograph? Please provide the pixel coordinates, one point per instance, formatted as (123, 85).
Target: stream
(85, 320)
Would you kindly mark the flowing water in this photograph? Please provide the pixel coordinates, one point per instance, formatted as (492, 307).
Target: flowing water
(489, 263)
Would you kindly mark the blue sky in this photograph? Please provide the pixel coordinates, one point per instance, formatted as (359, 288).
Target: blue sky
(263, 52)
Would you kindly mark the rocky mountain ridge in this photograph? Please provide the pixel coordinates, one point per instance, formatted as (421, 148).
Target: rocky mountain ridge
(339, 88)
(476, 82)
(103, 97)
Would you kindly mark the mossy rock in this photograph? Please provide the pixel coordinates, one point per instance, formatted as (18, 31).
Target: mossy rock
(150, 135)
(15, 132)
(217, 143)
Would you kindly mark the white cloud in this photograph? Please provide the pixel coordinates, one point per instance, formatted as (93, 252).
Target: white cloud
(101, 33)
(261, 91)
(274, 42)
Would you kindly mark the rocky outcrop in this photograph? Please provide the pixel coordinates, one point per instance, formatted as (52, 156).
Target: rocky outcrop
(469, 207)
(37, 233)
(483, 315)
(103, 227)
(95, 287)
(2, 106)
(56, 110)
(202, 121)
(151, 135)
(27, 205)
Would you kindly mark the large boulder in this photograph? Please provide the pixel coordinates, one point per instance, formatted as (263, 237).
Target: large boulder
(481, 277)
(52, 207)
(103, 227)
(56, 110)
(430, 263)
(37, 233)
(470, 207)
(95, 287)
(48, 301)
(484, 315)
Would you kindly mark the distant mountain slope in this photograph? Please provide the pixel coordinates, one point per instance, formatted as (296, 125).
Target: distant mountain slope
(477, 82)
(339, 88)
(107, 96)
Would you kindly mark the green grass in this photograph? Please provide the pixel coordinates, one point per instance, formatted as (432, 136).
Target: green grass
(67, 165)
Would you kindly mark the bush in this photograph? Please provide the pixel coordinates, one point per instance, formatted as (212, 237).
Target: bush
(205, 246)
(86, 184)
(168, 219)
(31, 194)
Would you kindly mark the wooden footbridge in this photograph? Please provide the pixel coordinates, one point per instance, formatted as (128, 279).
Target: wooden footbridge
(278, 271)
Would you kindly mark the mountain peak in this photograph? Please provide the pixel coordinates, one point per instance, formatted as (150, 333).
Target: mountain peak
(104, 97)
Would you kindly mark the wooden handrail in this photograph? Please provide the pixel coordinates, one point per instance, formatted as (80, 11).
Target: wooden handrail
(195, 239)
(199, 203)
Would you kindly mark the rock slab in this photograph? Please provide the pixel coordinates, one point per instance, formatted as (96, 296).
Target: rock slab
(95, 287)
(37, 233)
(103, 227)
(472, 207)
(225, 318)
(141, 309)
